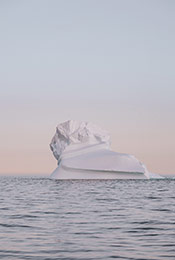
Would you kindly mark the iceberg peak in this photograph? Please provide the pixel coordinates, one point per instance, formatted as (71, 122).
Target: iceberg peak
(74, 132)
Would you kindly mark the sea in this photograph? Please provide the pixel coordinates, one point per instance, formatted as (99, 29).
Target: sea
(45, 219)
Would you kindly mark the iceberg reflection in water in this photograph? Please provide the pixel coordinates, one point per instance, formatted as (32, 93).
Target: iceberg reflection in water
(83, 152)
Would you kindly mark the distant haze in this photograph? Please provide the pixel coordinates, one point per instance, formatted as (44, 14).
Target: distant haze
(106, 61)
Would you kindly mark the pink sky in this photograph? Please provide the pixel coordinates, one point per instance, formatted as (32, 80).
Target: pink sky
(107, 62)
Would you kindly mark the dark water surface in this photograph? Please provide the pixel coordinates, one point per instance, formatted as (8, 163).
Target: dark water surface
(50, 219)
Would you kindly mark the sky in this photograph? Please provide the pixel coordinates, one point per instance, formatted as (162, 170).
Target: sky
(110, 62)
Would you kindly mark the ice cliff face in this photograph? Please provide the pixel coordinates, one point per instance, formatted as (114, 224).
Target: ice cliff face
(73, 133)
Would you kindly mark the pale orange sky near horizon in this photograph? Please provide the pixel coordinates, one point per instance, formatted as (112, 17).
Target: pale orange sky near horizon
(108, 62)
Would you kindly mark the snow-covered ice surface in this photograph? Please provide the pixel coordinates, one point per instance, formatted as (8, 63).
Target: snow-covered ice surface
(83, 152)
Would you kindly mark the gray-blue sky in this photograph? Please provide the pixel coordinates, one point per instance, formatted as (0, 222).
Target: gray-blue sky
(110, 62)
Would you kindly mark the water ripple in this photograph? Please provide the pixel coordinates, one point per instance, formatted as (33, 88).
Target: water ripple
(44, 219)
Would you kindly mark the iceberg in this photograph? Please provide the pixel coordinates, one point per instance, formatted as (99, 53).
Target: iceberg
(82, 150)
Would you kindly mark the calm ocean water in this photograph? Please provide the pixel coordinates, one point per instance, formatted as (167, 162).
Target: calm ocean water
(49, 219)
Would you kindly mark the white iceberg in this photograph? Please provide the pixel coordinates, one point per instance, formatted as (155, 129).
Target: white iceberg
(83, 152)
